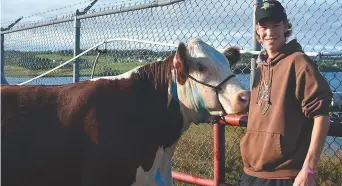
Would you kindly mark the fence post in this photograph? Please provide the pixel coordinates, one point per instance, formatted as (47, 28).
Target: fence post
(2, 46)
(2, 53)
(3, 79)
(77, 48)
(219, 154)
(255, 46)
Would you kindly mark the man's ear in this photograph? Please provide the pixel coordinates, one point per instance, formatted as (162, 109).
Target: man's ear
(232, 54)
(257, 26)
(257, 32)
(180, 64)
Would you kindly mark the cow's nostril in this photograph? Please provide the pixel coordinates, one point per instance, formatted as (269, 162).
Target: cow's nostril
(244, 97)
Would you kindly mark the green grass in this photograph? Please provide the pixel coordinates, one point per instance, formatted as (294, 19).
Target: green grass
(194, 153)
(105, 68)
(55, 56)
(106, 65)
(330, 170)
(16, 71)
(101, 69)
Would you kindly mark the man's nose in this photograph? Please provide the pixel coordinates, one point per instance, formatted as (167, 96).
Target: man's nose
(269, 32)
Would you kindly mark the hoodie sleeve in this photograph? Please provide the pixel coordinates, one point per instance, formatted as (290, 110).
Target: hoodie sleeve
(313, 91)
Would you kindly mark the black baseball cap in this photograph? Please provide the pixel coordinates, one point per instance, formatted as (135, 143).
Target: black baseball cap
(271, 10)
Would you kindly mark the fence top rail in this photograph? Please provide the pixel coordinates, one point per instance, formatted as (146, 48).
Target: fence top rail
(97, 14)
(156, 43)
(311, 54)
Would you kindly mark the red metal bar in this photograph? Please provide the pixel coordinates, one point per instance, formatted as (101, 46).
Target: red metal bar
(234, 120)
(192, 179)
(219, 155)
(241, 120)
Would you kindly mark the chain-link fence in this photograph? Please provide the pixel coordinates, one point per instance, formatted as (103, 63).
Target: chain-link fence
(316, 24)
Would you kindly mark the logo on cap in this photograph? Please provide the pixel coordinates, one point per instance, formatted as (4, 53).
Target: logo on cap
(266, 5)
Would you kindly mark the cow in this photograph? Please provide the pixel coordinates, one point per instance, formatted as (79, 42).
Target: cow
(115, 130)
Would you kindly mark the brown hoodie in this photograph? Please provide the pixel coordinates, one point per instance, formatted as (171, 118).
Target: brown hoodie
(286, 95)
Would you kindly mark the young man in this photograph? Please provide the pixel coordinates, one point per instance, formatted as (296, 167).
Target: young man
(288, 115)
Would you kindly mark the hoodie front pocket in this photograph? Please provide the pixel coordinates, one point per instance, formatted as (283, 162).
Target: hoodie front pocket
(261, 150)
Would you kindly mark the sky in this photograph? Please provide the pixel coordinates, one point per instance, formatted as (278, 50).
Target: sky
(13, 9)
(317, 24)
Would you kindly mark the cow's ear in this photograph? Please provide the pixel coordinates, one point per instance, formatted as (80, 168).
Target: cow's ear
(180, 63)
(232, 54)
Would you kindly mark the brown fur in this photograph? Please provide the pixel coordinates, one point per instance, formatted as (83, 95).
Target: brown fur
(87, 133)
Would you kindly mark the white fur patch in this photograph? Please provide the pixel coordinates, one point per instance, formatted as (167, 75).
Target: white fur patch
(148, 178)
(198, 48)
(125, 75)
(228, 99)
(165, 167)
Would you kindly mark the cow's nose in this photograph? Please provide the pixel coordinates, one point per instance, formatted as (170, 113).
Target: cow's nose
(243, 99)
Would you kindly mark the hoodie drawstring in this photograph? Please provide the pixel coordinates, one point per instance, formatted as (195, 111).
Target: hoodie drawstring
(259, 85)
(264, 89)
(270, 75)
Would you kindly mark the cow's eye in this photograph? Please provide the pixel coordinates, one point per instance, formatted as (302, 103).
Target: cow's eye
(201, 67)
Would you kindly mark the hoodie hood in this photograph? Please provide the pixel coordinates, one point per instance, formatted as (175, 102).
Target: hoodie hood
(289, 48)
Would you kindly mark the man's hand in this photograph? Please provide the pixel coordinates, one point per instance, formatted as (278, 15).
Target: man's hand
(304, 179)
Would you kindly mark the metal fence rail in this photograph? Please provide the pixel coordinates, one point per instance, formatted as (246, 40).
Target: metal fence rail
(30, 49)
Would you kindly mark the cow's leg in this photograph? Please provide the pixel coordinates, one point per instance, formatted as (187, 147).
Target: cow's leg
(165, 168)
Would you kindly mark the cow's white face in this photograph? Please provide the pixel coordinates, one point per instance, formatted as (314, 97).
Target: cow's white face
(209, 66)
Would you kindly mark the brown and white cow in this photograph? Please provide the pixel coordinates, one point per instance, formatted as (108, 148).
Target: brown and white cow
(119, 130)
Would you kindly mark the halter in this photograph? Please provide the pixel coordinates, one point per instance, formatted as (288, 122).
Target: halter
(215, 88)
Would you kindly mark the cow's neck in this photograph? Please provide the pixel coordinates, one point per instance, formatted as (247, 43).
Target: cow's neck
(173, 96)
(191, 103)
(165, 75)
(176, 93)
(159, 75)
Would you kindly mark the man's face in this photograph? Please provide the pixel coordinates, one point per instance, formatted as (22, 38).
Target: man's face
(272, 34)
